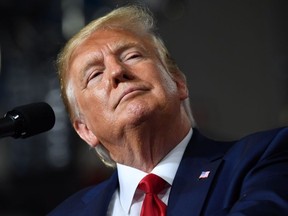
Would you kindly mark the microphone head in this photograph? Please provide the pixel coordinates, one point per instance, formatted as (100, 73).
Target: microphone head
(32, 119)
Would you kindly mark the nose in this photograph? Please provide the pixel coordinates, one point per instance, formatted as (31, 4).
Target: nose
(117, 72)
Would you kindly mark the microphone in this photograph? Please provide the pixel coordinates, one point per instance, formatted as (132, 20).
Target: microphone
(27, 120)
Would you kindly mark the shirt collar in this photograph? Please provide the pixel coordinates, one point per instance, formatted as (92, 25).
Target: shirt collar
(166, 169)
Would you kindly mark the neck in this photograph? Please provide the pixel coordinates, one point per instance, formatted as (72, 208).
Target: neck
(145, 145)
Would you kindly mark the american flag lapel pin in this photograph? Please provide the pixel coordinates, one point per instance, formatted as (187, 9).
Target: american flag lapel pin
(204, 174)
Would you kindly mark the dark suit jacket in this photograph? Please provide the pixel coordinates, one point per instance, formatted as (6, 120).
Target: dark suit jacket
(247, 177)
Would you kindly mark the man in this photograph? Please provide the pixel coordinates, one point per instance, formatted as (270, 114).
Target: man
(128, 99)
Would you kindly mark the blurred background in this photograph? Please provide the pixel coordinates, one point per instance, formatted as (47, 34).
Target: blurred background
(234, 53)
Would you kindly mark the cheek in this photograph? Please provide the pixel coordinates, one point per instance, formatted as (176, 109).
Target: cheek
(90, 102)
(165, 81)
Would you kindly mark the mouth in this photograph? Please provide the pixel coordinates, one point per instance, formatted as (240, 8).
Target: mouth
(130, 93)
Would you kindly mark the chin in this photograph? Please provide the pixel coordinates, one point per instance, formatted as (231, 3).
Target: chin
(136, 114)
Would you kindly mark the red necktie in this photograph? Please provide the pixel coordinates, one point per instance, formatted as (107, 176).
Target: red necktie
(152, 205)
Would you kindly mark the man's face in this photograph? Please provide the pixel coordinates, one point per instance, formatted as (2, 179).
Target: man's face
(119, 83)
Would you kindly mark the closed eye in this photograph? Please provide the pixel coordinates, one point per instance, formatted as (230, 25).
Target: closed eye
(94, 75)
(133, 56)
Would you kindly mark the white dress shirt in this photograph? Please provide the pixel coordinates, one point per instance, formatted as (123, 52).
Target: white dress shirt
(127, 199)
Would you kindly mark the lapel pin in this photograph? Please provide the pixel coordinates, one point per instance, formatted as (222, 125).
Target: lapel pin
(204, 174)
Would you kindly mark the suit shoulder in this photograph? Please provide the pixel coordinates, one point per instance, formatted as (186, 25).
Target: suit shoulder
(74, 204)
(262, 143)
(268, 136)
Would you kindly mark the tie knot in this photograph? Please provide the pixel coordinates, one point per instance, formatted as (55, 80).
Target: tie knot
(152, 183)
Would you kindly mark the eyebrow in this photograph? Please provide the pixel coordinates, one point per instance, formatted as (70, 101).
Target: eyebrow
(116, 48)
(122, 46)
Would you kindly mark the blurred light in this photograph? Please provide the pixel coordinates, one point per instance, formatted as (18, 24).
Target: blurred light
(154, 5)
(58, 149)
(73, 17)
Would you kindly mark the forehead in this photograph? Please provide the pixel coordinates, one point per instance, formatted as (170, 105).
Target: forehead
(111, 40)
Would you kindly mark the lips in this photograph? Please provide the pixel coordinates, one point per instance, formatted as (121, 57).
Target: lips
(130, 92)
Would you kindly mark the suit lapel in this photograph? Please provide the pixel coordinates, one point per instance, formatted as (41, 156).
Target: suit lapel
(189, 190)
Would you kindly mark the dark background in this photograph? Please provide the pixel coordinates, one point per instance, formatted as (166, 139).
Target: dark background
(234, 53)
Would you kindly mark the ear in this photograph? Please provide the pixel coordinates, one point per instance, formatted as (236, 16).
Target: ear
(85, 133)
(182, 87)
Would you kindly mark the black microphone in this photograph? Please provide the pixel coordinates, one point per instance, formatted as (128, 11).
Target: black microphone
(27, 120)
